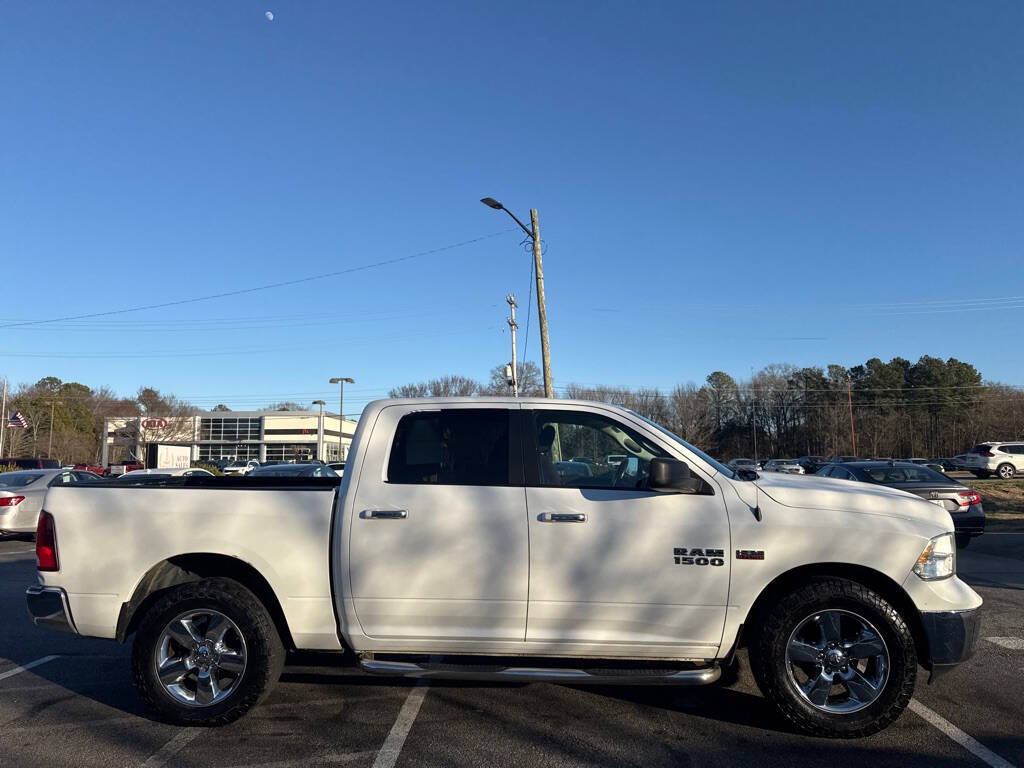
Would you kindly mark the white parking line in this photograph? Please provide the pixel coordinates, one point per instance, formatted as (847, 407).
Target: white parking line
(388, 755)
(330, 757)
(25, 667)
(969, 743)
(159, 758)
(1011, 643)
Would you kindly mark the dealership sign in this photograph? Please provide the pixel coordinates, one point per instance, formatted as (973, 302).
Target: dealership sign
(154, 423)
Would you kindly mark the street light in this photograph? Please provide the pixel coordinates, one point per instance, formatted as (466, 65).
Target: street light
(533, 232)
(341, 381)
(320, 430)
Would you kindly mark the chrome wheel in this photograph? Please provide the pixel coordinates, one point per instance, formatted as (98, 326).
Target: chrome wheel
(200, 657)
(1006, 472)
(837, 661)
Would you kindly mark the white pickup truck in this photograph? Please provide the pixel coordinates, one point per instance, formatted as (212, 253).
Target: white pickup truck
(460, 544)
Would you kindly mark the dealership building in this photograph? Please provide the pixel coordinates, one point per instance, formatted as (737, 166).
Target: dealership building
(263, 435)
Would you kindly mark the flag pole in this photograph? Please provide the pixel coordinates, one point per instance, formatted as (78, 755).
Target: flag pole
(3, 419)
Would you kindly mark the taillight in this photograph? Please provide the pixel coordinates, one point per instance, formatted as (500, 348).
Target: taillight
(46, 543)
(989, 454)
(11, 501)
(967, 498)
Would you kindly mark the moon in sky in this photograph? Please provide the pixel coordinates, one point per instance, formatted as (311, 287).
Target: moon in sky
(269, 15)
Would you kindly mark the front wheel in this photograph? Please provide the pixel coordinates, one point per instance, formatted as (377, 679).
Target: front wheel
(205, 653)
(835, 659)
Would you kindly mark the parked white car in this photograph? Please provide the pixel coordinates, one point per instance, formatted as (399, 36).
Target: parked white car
(22, 493)
(240, 467)
(1002, 459)
(161, 472)
(455, 548)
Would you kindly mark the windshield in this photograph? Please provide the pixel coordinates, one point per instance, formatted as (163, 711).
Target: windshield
(18, 479)
(715, 464)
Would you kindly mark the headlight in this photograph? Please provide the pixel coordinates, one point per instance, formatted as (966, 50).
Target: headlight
(938, 561)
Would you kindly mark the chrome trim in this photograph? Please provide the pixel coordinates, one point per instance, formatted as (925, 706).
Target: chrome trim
(48, 607)
(702, 676)
(563, 517)
(384, 514)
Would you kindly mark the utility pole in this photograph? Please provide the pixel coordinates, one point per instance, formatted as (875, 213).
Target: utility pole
(542, 307)
(320, 430)
(49, 447)
(511, 299)
(849, 398)
(341, 381)
(533, 232)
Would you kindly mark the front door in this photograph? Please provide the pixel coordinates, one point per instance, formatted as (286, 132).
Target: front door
(615, 568)
(438, 540)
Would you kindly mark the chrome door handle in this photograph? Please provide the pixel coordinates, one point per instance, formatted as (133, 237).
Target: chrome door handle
(384, 514)
(563, 517)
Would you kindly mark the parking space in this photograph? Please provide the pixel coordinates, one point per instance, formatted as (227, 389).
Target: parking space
(80, 709)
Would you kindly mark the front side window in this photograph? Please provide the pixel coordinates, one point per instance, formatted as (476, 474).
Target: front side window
(451, 447)
(578, 449)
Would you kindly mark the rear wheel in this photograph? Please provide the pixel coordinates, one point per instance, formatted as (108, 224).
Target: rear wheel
(980, 474)
(1006, 471)
(835, 659)
(205, 653)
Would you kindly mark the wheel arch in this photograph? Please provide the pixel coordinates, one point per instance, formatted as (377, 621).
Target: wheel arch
(796, 577)
(182, 569)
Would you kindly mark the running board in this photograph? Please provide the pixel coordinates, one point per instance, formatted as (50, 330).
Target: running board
(700, 676)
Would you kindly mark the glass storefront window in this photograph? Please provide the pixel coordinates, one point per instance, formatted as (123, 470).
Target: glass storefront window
(229, 428)
(244, 451)
(297, 452)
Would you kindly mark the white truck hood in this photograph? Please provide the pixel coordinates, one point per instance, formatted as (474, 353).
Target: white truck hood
(849, 496)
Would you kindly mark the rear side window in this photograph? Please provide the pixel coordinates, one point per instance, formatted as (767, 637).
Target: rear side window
(453, 447)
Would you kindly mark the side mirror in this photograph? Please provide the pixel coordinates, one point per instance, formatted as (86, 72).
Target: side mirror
(669, 475)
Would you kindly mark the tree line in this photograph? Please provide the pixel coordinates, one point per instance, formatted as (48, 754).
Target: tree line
(929, 408)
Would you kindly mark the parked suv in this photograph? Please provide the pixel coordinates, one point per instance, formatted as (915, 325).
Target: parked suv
(1002, 459)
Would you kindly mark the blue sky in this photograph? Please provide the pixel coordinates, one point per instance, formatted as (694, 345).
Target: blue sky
(720, 186)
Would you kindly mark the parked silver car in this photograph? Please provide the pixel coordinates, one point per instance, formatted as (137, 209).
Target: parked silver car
(1002, 459)
(789, 466)
(22, 493)
(747, 464)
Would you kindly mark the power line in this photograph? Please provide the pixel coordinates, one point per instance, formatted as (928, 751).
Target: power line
(266, 287)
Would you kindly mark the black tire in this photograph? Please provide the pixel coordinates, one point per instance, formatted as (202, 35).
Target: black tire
(1006, 471)
(981, 475)
(264, 652)
(963, 540)
(769, 664)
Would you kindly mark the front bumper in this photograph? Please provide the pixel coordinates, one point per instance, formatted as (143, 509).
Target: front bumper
(951, 637)
(971, 522)
(48, 607)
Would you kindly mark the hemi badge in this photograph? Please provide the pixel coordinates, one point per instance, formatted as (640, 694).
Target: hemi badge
(750, 554)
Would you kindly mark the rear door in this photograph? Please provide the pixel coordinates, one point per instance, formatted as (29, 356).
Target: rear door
(616, 568)
(438, 545)
(1016, 455)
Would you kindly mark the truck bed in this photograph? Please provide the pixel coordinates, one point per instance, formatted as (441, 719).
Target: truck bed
(112, 534)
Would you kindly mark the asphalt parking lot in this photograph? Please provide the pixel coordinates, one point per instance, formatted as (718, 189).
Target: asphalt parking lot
(69, 701)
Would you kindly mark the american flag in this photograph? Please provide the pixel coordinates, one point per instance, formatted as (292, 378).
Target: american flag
(17, 421)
